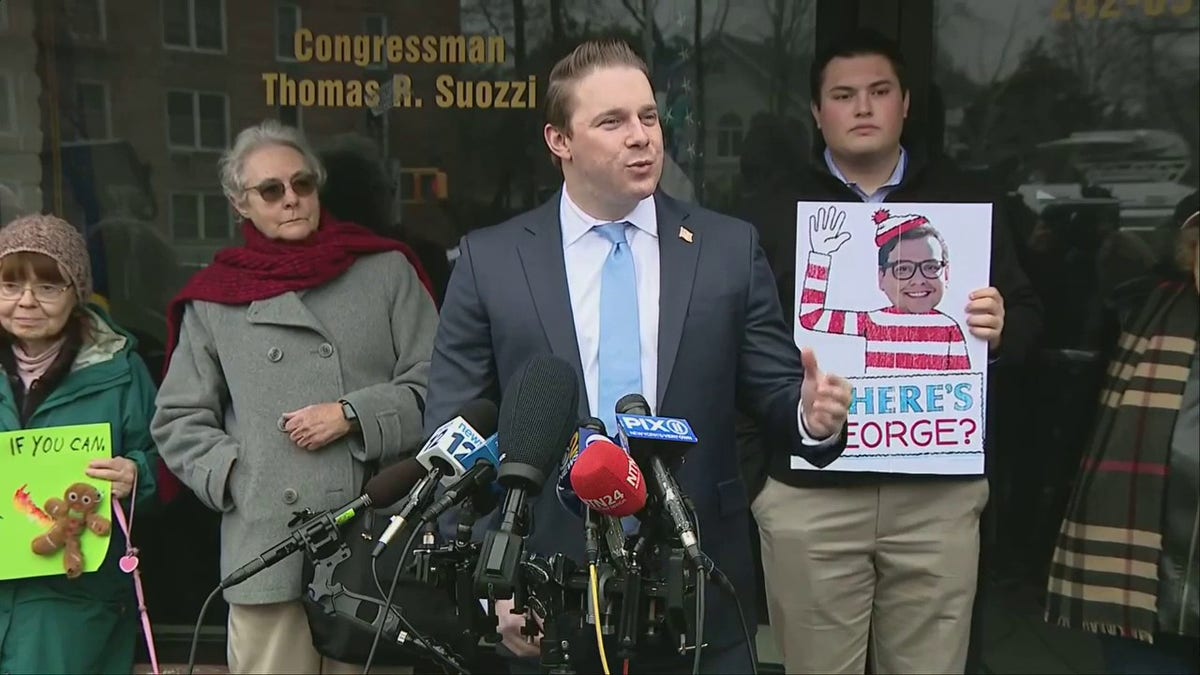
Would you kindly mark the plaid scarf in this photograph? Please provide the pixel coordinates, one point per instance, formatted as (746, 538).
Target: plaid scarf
(1104, 575)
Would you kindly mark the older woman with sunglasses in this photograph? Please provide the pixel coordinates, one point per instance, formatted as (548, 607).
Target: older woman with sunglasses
(66, 363)
(295, 362)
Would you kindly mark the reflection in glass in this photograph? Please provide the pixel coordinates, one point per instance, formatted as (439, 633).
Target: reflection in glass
(180, 124)
(210, 32)
(8, 122)
(176, 23)
(185, 216)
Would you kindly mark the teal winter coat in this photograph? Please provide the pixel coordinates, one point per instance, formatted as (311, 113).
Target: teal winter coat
(89, 624)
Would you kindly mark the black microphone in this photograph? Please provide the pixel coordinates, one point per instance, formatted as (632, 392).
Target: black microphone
(661, 481)
(384, 489)
(478, 478)
(537, 417)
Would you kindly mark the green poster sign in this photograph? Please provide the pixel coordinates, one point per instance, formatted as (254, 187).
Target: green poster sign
(45, 494)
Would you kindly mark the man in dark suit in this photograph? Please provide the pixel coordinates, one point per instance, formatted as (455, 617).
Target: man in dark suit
(640, 293)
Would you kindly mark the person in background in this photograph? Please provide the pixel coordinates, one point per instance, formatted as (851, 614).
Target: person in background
(66, 362)
(888, 560)
(1125, 563)
(297, 363)
(357, 189)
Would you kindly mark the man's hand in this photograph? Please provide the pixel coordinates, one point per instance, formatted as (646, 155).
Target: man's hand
(827, 235)
(119, 471)
(985, 316)
(824, 399)
(510, 626)
(315, 426)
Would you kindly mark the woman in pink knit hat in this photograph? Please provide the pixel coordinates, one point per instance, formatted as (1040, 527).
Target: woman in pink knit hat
(66, 363)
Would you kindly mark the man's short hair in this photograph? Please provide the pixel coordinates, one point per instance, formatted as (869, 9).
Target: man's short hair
(922, 232)
(860, 42)
(581, 62)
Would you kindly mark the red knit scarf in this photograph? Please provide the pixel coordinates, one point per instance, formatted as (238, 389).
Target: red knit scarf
(264, 268)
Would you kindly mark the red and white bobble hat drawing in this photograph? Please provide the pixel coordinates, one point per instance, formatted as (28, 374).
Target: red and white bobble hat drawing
(888, 227)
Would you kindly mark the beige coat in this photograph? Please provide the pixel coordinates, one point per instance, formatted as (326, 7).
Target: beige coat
(366, 336)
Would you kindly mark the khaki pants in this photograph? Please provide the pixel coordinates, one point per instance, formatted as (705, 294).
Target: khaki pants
(894, 564)
(275, 638)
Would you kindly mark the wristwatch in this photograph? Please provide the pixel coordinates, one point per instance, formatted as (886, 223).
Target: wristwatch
(348, 412)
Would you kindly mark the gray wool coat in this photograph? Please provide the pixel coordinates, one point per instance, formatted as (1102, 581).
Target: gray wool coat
(365, 337)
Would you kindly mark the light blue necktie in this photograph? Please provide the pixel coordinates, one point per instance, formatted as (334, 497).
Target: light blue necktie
(620, 338)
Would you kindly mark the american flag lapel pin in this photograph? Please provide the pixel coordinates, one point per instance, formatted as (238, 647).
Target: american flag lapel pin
(685, 234)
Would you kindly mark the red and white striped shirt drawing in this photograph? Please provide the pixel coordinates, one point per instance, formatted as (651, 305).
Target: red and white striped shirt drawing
(897, 342)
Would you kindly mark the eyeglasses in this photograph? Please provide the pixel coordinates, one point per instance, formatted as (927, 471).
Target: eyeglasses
(273, 189)
(905, 269)
(41, 292)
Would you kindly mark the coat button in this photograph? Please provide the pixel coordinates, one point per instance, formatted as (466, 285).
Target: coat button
(325, 350)
(274, 354)
(290, 496)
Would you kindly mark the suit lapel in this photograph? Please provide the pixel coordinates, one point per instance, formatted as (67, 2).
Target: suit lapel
(542, 260)
(677, 270)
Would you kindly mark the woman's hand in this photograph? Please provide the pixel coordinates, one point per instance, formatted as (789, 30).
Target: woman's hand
(121, 472)
(315, 426)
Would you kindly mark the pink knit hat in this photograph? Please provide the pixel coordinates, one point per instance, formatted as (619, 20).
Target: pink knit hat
(56, 239)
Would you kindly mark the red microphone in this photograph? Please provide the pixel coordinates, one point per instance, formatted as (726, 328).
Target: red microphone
(608, 481)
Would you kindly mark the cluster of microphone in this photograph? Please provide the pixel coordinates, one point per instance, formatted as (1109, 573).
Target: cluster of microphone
(486, 458)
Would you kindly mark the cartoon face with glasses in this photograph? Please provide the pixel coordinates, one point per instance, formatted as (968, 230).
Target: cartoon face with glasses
(909, 335)
(912, 270)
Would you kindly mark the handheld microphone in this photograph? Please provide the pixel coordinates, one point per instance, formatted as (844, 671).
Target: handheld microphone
(639, 429)
(384, 489)
(537, 416)
(591, 430)
(452, 449)
(458, 444)
(478, 478)
(607, 480)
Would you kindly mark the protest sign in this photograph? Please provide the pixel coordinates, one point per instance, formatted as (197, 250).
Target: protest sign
(881, 297)
(40, 465)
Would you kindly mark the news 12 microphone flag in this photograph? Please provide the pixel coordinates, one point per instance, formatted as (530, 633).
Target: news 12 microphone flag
(881, 297)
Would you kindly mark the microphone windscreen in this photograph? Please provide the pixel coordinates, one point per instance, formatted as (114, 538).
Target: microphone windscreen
(482, 415)
(538, 414)
(632, 404)
(394, 482)
(608, 481)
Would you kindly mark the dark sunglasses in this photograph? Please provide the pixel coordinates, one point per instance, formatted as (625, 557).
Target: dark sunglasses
(273, 189)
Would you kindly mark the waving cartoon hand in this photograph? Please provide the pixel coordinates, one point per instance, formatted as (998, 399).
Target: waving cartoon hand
(827, 234)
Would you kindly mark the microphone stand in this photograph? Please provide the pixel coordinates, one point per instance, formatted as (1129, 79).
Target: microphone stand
(326, 553)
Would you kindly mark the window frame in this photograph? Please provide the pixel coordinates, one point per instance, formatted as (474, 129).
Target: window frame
(10, 83)
(383, 18)
(201, 223)
(108, 116)
(102, 13)
(299, 12)
(191, 46)
(195, 94)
